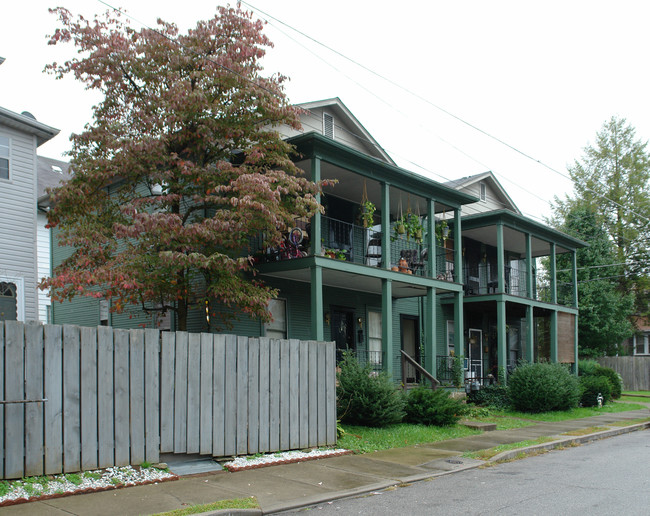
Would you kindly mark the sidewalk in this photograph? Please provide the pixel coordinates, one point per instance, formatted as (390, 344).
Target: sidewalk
(290, 486)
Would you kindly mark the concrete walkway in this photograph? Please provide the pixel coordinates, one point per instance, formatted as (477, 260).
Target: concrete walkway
(290, 486)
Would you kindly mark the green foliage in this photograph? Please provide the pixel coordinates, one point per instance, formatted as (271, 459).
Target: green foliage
(591, 386)
(365, 397)
(543, 387)
(432, 407)
(587, 367)
(74, 478)
(5, 487)
(591, 368)
(457, 372)
(493, 396)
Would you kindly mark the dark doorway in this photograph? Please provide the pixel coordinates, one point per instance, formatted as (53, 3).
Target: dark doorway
(409, 326)
(8, 302)
(343, 330)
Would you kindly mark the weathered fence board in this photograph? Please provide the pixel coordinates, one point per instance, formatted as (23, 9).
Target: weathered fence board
(118, 397)
(635, 371)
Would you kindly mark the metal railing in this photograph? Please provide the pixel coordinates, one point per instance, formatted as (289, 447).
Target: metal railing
(364, 357)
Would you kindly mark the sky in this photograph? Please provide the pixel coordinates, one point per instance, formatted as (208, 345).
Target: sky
(448, 79)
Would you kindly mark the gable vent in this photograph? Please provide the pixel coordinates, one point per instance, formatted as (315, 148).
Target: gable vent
(328, 125)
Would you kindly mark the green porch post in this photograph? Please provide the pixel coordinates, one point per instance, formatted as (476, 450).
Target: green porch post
(501, 337)
(529, 266)
(385, 225)
(317, 330)
(430, 332)
(458, 248)
(316, 232)
(575, 345)
(554, 354)
(574, 278)
(553, 274)
(530, 334)
(431, 237)
(387, 324)
(459, 326)
(501, 270)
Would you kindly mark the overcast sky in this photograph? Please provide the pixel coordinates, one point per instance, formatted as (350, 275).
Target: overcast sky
(540, 76)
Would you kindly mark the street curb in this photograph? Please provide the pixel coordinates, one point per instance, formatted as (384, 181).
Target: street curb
(233, 512)
(568, 441)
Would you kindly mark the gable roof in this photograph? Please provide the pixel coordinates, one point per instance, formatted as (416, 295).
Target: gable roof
(359, 131)
(26, 122)
(489, 177)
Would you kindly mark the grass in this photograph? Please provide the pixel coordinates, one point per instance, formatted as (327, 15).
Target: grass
(634, 399)
(364, 440)
(631, 422)
(642, 393)
(586, 431)
(575, 413)
(491, 452)
(233, 503)
(503, 421)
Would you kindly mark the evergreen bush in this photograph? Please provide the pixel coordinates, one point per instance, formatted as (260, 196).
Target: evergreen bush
(365, 397)
(432, 407)
(587, 367)
(614, 379)
(592, 385)
(543, 387)
(494, 396)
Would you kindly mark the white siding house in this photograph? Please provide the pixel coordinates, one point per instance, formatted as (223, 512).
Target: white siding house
(20, 136)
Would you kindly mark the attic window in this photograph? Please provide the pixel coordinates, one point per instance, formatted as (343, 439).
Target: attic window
(4, 157)
(57, 169)
(482, 192)
(328, 125)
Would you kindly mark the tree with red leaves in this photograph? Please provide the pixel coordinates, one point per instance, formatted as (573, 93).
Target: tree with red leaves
(182, 165)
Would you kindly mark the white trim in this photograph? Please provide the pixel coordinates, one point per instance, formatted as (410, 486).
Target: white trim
(20, 294)
(8, 158)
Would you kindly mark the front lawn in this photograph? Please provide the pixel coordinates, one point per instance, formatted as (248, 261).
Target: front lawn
(575, 413)
(640, 393)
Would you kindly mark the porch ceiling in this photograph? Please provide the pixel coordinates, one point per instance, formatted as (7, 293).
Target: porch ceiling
(348, 281)
(513, 241)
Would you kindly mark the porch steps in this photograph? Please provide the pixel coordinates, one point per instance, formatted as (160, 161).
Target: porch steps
(479, 425)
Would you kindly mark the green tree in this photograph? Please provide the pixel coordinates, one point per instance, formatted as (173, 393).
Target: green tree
(605, 309)
(613, 180)
(180, 168)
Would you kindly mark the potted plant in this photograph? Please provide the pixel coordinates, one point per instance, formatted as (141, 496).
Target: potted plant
(414, 227)
(442, 230)
(400, 226)
(368, 214)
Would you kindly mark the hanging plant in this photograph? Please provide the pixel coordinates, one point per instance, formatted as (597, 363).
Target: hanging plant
(442, 230)
(414, 227)
(368, 214)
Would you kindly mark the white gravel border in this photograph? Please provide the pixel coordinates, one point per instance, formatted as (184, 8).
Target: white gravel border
(34, 488)
(253, 461)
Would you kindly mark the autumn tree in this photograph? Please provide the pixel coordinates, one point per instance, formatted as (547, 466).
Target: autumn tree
(181, 166)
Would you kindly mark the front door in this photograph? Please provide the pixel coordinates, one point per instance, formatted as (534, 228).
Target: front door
(410, 346)
(475, 353)
(342, 330)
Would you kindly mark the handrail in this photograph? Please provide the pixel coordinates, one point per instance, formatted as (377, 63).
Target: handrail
(406, 357)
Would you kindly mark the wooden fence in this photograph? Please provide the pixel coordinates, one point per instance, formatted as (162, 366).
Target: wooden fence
(76, 398)
(635, 371)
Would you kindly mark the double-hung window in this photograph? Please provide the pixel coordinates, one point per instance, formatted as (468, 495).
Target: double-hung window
(4, 157)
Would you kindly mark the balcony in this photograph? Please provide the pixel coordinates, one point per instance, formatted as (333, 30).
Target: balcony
(483, 279)
(356, 244)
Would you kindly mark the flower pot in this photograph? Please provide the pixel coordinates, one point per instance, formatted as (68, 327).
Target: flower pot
(400, 229)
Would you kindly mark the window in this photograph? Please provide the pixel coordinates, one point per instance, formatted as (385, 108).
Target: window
(328, 125)
(8, 302)
(374, 338)
(277, 328)
(4, 157)
(451, 333)
(482, 192)
(642, 344)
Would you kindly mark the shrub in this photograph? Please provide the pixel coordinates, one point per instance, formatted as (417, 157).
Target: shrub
(614, 379)
(587, 367)
(495, 396)
(365, 397)
(543, 387)
(592, 385)
(428, 407)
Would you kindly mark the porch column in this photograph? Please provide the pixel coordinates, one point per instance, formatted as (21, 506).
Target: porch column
(458, 248)
(574, 276)
(553, 274)
(387, 324)
(502, 356)
(459, 325)
(529, 266)
(385, 225)
(530, 334)
(430, 332)
(317, 331)
(316, 232)
(501, 270)
(554, 354)
(574, 369)
(431, 237)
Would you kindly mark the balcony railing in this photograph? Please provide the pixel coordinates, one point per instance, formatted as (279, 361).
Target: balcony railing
(482, 279)
(365, 357)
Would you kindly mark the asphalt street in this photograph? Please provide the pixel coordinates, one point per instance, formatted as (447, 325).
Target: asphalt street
(607, 477)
